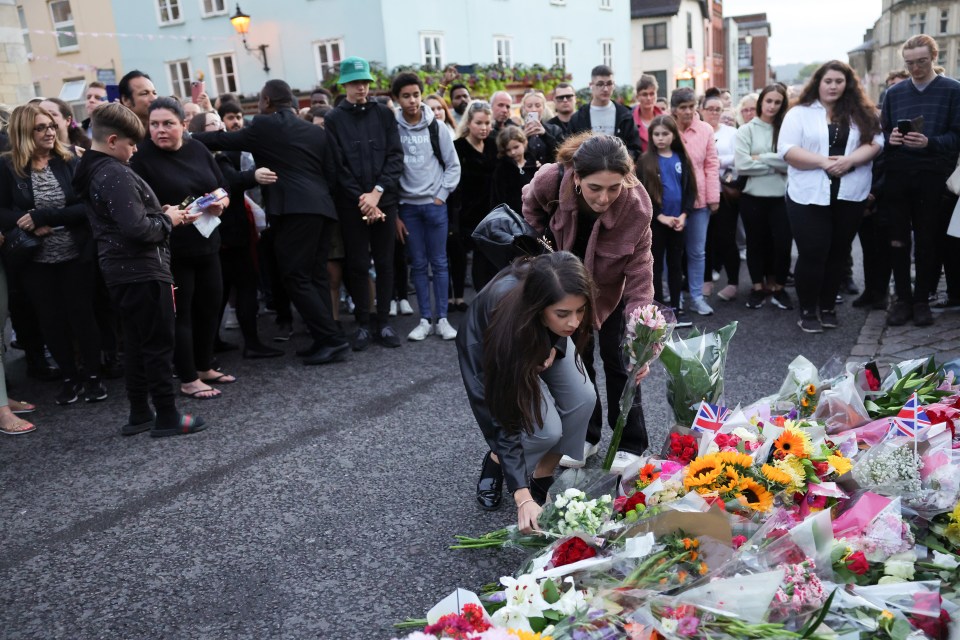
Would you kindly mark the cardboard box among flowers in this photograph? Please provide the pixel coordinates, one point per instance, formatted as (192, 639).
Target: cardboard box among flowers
(827, 510)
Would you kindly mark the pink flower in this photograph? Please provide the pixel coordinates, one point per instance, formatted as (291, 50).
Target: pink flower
(688, 625)
(738, 541)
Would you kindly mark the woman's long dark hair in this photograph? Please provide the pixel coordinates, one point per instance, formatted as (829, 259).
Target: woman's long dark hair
(650, 163)
(588, 153)
(516, 343)
(852, 106)
(777, 119)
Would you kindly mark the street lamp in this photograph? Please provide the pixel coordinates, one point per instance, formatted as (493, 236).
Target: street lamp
(241, 22)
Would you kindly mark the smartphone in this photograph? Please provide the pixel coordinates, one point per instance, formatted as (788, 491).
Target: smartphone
(465, 69)
(905, 125)
(113, 93)
(533, 116)
(196, 88)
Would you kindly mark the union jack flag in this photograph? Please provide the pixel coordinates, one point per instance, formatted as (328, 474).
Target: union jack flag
(911, 420)
(710, 417)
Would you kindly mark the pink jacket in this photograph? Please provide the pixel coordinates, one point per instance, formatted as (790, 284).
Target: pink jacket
(618, 253)
(642, 128)
(702, 151)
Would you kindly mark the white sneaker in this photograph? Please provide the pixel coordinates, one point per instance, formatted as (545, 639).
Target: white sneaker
(444, 330)
(622, 460)
(421, 331)
(230, 318)
(405, 308)
(700, 306)
(588, 450)
(393, 309)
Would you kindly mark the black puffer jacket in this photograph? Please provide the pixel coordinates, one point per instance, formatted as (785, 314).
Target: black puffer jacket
(132, 233)
(626, 128)
(371, 151)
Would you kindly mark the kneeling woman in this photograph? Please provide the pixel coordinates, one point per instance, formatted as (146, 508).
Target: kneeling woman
(519, 349)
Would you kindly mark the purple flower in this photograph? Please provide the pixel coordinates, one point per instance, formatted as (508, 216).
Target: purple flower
(688, 625)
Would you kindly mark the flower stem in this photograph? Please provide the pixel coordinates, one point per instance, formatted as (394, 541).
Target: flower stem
(626, 403)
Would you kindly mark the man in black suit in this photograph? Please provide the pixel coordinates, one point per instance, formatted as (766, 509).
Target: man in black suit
(299, 205)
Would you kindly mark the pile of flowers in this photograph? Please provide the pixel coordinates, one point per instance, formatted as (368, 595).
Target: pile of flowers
(788, 521)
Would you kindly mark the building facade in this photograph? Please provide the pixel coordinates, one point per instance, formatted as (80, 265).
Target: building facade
(753, 60)
(670, 42)
(15, 82)
(306, 39)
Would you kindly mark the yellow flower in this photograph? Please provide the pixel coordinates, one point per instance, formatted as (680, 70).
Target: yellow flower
(840, 463)
(776, 476)
(754, 496)
(955, 516)
(702, 472)
(886, 614)
(804, 402)
(810, 389)
(728, 481)
(792, 466)
(793, 441)
(527, 635)
(736, 459)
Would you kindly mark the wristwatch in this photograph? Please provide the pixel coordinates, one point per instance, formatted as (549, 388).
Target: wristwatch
(378, 188)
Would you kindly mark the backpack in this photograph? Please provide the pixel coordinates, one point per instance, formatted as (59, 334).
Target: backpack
(434, 129)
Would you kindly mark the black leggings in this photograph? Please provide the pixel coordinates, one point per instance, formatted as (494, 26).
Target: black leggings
(62, 295)
(360, 242)
(197, 301)
(823, 236)
(401, 274)
(240, 273)
(722, 251)
(666, 240)
(769, 239)
(457, 263)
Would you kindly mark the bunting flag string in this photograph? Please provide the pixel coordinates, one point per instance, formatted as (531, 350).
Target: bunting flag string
(141, 36)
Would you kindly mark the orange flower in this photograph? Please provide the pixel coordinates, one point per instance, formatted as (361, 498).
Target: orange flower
(648, 473)
(703, 568)
(804, 402)
(811, 389)
(789, 443)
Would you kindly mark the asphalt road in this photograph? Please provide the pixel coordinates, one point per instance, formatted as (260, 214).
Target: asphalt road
(319, 504)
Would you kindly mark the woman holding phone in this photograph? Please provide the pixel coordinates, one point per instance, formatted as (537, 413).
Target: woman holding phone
(542, 137)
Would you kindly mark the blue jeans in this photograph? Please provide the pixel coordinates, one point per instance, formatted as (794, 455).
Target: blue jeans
(427, 245)
(696, 241)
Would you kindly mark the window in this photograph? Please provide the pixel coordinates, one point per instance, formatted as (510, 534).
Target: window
(606, 4)
(944, 19)
(213, 8)
(689, 30)
(560, 52)
(37, 92)
(168, 11)
(942, 57)
(744, 54)
(431, 50)
(655, 36)
(918, 24)
(503, 51)
(224, 72)
(606, 52)
(328, 54)
(24, 30)
(179, 72)
(744, 83)
(62, 17)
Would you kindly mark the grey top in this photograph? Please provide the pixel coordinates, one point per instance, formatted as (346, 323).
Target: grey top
(58, 246)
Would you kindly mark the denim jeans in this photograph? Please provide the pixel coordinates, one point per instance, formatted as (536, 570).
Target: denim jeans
(696, 241)
(427, 245)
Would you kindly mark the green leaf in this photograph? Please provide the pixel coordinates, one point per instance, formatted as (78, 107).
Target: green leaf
(550, 592)
(811, 626)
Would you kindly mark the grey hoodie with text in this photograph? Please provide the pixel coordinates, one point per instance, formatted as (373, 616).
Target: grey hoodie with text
(423, 178)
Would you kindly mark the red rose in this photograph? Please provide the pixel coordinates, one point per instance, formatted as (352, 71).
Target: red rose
(635, 499)
(821, 468)
(857, 563)
(570, 551)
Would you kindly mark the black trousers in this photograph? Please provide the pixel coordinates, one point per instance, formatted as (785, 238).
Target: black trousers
(199, 291)
(62, 295)
(240, 274)
(917, 202)
(401, 274)
(301, 242)
(270, 275)
(722, 251)
(23, 318)
(457, 263)
(610, 334)
(875, 243)
(769, 239)
(361, 242)
(147, 318)
(106, 316)
(823, 236)
(670, 242)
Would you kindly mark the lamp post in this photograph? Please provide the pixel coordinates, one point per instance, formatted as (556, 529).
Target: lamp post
(241, 22)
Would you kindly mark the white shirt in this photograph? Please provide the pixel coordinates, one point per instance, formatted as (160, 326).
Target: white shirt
(726, 139)
(806, 127)
(604, 119)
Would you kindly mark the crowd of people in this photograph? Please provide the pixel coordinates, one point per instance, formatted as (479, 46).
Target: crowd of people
(142, 229)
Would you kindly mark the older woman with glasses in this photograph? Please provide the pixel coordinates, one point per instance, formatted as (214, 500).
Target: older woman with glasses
(722, 250)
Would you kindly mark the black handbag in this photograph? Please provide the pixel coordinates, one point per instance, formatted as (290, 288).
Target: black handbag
(504, 235)
(19, 247)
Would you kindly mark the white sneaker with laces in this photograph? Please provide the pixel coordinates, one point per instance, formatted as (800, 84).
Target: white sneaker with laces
(230, 318)
(700, 306)
(622, 460)
(393, 308)
(421, 331)
(444, 330)
(405, 308)
(588, 450)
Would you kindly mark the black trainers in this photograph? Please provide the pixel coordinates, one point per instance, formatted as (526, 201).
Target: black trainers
(781, 299)
(922, 317)
(68, 393)
(93, 390)
(387, 337)
(828, 319)
(683, 320)
(361, 339)
(756, 298)
(809, 323)
(900, 314)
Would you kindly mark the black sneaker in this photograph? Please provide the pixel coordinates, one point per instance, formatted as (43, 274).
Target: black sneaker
(828, 319)
(69, 392)
(387, 337)
(849, 287)
(756, 298)
(361, 339)
(93, 390)
(781, 299)
(809, 323)
(922, 317)
(683, 320)
(900, 314)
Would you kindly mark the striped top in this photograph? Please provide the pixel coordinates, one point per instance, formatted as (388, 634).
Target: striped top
(939, 104)
(48, 194)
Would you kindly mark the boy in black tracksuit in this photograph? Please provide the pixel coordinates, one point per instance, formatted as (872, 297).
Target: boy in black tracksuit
(132, 235)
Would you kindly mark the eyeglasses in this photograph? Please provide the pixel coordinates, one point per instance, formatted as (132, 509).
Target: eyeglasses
(569, 96)
(713, 109)
(916, 63)
(40, 128)
(603, 84)
(479, 105)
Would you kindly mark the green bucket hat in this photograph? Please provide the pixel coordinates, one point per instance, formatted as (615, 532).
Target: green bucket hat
(354, 68)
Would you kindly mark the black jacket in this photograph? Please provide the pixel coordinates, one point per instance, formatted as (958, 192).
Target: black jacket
(16, 199)
(301, 154)
(506, 445)
(542, 149)
(234, 223)
(508, 181)
(369, 143)
(626, 128)
(562, 127)
(131, 231)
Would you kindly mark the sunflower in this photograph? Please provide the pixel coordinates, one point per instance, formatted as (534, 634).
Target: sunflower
(810, 389)
(754, 496)
(728, 481)
(792, 441)
(736, 459)
(793, 467)
(776, 476)
(520, 634)
(702, 472)
(840, 463)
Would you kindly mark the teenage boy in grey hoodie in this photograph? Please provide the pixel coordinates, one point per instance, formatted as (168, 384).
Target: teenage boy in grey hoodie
(431, 170)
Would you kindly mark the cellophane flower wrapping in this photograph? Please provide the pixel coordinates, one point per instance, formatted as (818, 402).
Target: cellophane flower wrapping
(695, 369)
(891, 468)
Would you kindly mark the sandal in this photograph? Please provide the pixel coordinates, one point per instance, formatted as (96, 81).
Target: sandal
(196, 395)
(220, 379)
(133, 428)
(19, 406)
(187, 424)
(19, 427)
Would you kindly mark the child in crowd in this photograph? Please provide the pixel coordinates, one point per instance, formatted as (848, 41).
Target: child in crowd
(513, 171)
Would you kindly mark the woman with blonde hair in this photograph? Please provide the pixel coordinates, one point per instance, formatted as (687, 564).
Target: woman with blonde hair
(542, 137)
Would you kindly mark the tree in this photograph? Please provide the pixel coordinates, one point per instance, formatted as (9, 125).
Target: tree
(807, 71)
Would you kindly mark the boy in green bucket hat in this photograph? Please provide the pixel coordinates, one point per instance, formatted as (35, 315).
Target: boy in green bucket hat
(353, 69)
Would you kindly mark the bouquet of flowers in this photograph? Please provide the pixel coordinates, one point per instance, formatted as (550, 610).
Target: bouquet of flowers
(675, 564)
(695, 371)
(892, 467)
(648, 328)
